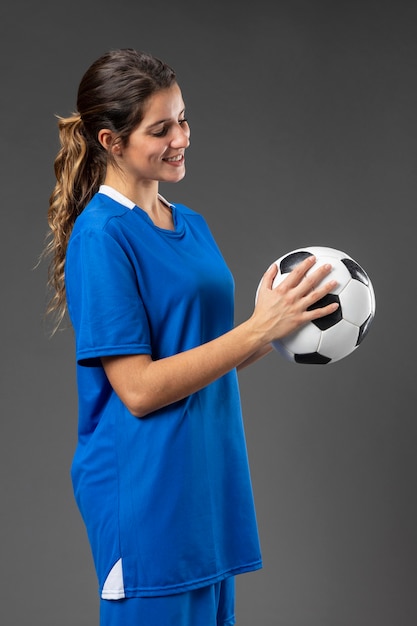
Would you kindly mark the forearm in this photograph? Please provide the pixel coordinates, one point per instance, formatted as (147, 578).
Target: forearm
(256, 356)
(146, 385)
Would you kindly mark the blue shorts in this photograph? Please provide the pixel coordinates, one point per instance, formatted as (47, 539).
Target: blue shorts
(209, 606)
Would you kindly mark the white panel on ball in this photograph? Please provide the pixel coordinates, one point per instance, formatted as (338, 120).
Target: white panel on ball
(339, 341)
(356, 302)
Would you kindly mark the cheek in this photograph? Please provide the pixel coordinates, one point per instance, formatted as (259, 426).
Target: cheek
(153, 149)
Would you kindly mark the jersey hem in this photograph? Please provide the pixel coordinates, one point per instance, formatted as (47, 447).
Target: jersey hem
(143, 592)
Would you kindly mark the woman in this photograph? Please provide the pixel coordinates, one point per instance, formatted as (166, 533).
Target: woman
(160, 472)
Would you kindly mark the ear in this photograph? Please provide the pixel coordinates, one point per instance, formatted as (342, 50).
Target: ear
(106, 138)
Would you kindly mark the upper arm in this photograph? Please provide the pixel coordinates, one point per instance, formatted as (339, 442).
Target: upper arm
(126, 375)
(104, 299)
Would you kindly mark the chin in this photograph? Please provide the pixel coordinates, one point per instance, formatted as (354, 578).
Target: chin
(175, 179)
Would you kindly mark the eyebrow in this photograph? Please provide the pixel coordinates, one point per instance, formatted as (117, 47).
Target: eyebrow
(162, 121)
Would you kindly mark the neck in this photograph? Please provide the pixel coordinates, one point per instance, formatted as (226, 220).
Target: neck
(145, 196)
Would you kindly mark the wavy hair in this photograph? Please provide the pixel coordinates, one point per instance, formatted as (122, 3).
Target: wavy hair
(111, 95)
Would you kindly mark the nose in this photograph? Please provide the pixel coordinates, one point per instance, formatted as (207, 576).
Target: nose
(181, 136)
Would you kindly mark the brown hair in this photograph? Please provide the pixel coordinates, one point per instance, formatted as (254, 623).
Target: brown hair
(111, 95)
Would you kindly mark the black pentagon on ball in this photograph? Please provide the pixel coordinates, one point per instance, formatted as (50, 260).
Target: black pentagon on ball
(356, 271)
(363, 330)
(293, 259)
(314, 358)
(328, 320)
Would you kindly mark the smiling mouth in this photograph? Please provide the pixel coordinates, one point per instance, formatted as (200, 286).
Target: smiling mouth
(174, 159)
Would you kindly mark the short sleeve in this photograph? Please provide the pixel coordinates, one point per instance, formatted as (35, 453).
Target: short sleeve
(103, 298)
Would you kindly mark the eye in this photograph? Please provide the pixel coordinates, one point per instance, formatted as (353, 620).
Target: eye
(161, 133)
(164, 131)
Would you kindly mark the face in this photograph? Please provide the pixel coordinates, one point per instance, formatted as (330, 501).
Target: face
(156, 148)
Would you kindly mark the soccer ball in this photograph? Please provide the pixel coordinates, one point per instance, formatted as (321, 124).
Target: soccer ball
(333, 337)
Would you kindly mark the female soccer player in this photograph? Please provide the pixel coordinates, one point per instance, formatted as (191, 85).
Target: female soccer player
(160, 472)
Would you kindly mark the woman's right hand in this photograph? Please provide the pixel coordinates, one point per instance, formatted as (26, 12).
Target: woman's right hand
(282, 309)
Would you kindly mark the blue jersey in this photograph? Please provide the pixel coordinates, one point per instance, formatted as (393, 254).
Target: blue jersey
(166, 499)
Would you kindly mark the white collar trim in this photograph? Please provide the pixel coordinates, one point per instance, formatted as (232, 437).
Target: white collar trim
(119, 197)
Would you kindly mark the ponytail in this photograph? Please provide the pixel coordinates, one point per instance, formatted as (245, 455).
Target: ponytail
(78, 175)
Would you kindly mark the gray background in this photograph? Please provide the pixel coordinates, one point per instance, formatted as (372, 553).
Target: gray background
(303, 118)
